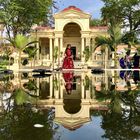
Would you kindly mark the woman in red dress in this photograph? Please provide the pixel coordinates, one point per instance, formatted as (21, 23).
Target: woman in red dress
(68, 77)
(68, 60)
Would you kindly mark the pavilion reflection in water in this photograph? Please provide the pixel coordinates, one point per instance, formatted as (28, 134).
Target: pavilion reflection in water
(72, 108)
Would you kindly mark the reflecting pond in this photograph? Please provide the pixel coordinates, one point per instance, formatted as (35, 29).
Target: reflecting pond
(70, 105)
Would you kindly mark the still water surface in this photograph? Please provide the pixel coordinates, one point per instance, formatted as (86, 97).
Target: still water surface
(69, 106)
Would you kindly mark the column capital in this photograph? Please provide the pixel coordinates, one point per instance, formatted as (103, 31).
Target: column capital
(51, 37)
(85, 33)
(58, 34)
(88, 37)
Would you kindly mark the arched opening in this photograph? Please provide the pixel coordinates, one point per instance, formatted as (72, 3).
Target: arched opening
(72, 106)
(44, 48)
(44, 90)
(72, 35)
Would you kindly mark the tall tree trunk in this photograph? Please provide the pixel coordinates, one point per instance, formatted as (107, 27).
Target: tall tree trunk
(31, 63)
(19, 59)
(9, 62)
(34, 61)
(8, 32)
(130, 28)
(115, 56)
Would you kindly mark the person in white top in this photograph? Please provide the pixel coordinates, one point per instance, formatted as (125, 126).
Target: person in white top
(128, 59)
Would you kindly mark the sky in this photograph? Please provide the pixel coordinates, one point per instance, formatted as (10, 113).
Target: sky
(89, 6)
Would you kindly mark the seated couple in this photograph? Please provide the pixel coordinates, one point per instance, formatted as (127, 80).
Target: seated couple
(128, 62)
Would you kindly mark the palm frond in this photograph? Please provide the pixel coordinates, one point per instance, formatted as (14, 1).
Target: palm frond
(11, 41)
(21, 41)
(30, 43)
(115, 33)
(103, 41)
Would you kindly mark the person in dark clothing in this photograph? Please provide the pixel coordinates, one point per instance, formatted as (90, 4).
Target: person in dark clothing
(136, 76)
(136, 59)
(122, 63)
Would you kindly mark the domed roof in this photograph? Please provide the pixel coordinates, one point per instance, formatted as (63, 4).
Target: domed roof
(72, 8)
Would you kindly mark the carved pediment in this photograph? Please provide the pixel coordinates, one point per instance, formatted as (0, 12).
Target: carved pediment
(72, 123)
(71, 13)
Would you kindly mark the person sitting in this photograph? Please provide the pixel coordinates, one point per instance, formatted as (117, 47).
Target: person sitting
(136, 60)
(122, 74)
(122, 63)
(136, 76)
(128, 59)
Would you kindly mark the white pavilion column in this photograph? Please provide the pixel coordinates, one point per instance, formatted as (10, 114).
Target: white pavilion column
(88, 45)
(82, 86)
(61, 44)
(51, 51)
(51, 87)
(61, 48)
(87, 41)
(56, 42)
(61, 91)
(106, 80)
(56, 91)
(113, 76)
(87, 94)
(38, 83)
(56, 94)
(113, 59)
(61, 85)
(37, 45)
(82, 49)
(106, 57)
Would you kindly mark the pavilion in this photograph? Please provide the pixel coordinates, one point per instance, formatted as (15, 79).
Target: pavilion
(72, 26)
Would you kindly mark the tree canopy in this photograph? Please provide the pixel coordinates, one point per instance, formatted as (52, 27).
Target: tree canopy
(97, 22)
(124, 12)
(19, 16)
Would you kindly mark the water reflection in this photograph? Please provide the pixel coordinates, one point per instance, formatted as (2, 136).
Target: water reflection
(67, 101)
(68, 78)
(18, 124)
(136, 76)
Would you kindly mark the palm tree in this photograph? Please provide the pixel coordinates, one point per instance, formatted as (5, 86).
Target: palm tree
(21, 96)
(112, 41)
(21, 42)
(136, 45)
(31, 51)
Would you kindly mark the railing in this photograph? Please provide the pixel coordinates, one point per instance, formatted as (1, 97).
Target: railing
(77, 64)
